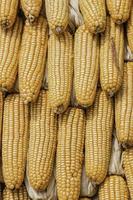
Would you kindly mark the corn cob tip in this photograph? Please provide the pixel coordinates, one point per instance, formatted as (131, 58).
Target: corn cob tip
(31, 18)
(60, 109)
(5, 24)
(59, 30)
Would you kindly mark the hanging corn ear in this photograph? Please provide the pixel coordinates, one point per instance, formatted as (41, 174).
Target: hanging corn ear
(14, 141)
(98, 136)
(94, 14)
(114, 187)
(70, 153)
(119, 10)
(31, 9)
(86, 66)
(60, 71)
(124, 107)
(8, 13)
(32, 59)
(1, 118)
(20, 194)
(9, 49)
(42, 144)
(128, 169)
(112, 57)
(57, 14)
(130, 30)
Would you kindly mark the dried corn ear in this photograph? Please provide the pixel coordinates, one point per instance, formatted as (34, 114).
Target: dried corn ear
(124, 107)
(32, 59)
(14, 140)
(98, 136)
(94, 14)
(86, 66)
(42, 144)
(70, 153)
(130, 30)
(119, 10)
(1, 119)
(112, 57)
(10, 40)
(57, 14)
(60, 70)
(114, 187)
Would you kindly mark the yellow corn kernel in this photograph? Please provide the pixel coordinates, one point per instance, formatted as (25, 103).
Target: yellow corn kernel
(1, 118)
(113, 188)
(32, 59)
(98, 136)
(86, 66)
(112, 57)
(9, 49)
(42, 144)
(124, 107)
(94, 14)
(70, 153)
(57, 14)
(119, 10)
(60, 71)
(14, 140)
(31, 9)
(130, 30)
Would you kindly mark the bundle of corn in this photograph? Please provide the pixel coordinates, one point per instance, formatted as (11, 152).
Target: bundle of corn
(130, 30)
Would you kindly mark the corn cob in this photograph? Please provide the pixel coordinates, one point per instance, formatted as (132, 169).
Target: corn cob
(130, 30)
(70, 154)
(114, 187)
(119, 10)
(112, 57)
(20, 194)
(60, 71)
(31, 9)
(42, 144)
(86, 66)
(9, 48)
(124, 107)
(14, 141)
(94, 14)
(1, 118)
(57, 14)
(8, 12)
(32, 59)
(99, 125)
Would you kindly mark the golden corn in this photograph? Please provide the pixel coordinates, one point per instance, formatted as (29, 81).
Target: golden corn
(42, 144)
(9, 49)
(8, 12)
(124, 107)
(31, 9)
(60, 71)
(83, 198)
(98, 136)
(20, 194)
(70, 153)
(57, 14)
(86, 66)
(130, 30)
(119, 10)
(32, 59)
(112, 57)
(113, 188)
(14, 141)
(1, 118)
(94, 14)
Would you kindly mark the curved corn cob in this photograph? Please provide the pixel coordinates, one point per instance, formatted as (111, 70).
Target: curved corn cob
(70, 153)
(124, 107)
(32, 59)
(94, 14)
(57, 14)
(8, 12)
(86, 66)
(31, 9)
(1, 118)
(20, 194)
(98, 136)
(114, 187)
(42, 144)
(60, 71)
(9, 49)
(130, 30)
(112, 57)
(119, 10)
(14, 141)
